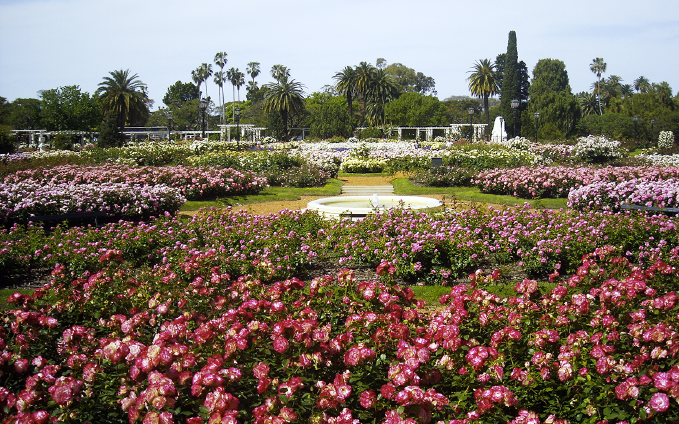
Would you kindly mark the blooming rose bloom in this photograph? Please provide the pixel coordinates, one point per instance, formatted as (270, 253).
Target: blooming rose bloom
(368, 398)
(659, 402)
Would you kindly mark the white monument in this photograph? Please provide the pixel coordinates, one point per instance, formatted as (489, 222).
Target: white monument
(499, 133)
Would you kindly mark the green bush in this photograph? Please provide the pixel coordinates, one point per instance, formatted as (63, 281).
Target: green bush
(371, 132)
(7, 140)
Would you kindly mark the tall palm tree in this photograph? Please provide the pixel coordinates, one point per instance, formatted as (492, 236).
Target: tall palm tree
(364, 76)
(346, 84)
(598, 67)
(285, 96)
(382, 89)
(253, 70)
(205, 74)
(664, 93)
(197, 77)
(220, 60)
(483, 83)
(239, 80)
(220, 79)
(234, 75)
(279, 72)
(642, 84)
(124, 95)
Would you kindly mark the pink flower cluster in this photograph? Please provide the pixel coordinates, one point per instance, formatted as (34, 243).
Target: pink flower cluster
(558, 181)
(193, 182)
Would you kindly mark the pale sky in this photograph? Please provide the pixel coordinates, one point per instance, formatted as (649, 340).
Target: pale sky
(47, 44)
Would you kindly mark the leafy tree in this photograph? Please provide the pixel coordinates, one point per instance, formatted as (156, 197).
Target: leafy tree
(124, 94)
(8, 140)
(328, 116)
(511, 84)
(68, 108)
(179, 93)
(663, 91)
(25, 114)
(550, 95)
(109, 132)
(285, 97)
(598, 67)
(416, 110)
(483, 84)
(409, 81)
(5, 110)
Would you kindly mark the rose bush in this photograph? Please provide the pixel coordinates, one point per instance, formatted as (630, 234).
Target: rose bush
(187, 342)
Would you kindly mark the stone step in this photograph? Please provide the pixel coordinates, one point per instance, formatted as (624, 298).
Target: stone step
(367, 190)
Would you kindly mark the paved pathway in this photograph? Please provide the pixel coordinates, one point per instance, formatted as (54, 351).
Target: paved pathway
(383, 190)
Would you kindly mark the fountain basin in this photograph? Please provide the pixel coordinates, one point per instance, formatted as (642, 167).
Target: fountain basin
(358, 207)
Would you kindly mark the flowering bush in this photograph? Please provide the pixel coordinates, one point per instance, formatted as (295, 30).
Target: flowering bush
(598, 149)
(518, 143)
(22, 200)
(610, 195)
(444, 176)
(665, 140)
(187, 342)
(558, 181)
(363, 165)
(193, 182)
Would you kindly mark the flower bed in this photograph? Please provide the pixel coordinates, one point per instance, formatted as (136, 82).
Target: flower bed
(610, 195)
(186, 342)
(193, 182)
(19, 201)
(558, 181)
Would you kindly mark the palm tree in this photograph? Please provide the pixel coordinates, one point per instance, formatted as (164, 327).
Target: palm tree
(279, 71)
(125, 96)
(483, 83)
(220, 79)
(346, 84)
(253, 70)
(642, 84)
(234, 75)
(205, 73)
(382, 89)
(239, 80)
(598, 66)
(197, 77)
(588, 103)
(364, 76)
(285, 96)
(664, 93)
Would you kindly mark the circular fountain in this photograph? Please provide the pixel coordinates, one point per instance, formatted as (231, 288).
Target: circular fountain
(358, 207)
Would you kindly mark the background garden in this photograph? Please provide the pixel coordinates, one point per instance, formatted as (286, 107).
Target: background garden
(555, 302)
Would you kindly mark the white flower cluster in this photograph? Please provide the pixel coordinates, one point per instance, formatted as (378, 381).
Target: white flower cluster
(666, 140)
(595, 149)
(656, 159)
(517, 143)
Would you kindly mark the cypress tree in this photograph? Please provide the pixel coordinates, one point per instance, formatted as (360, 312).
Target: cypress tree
(511, 86)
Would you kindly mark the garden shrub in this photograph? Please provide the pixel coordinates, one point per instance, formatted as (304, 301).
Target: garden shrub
(666, 140)
(371, 132)
(598, 149)
(444, 176)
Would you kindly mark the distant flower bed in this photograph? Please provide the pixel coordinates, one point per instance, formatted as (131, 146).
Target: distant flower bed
(19, 201)
(193, 182)
(557, 181)
(598, 149)
(610, 195)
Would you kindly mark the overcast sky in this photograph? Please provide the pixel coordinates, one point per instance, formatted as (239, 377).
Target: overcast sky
(47, 44)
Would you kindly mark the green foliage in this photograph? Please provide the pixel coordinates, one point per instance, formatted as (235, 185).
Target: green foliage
(25, 114)
(328, 116)
(416, 110)
(109, 134)
(67, 108)
(614, 126)
(125, 95)
(179, 93)
(511, 84)
(550, 95)
(409, 81)
(64, 141)
(7, 140)
(371, 132)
